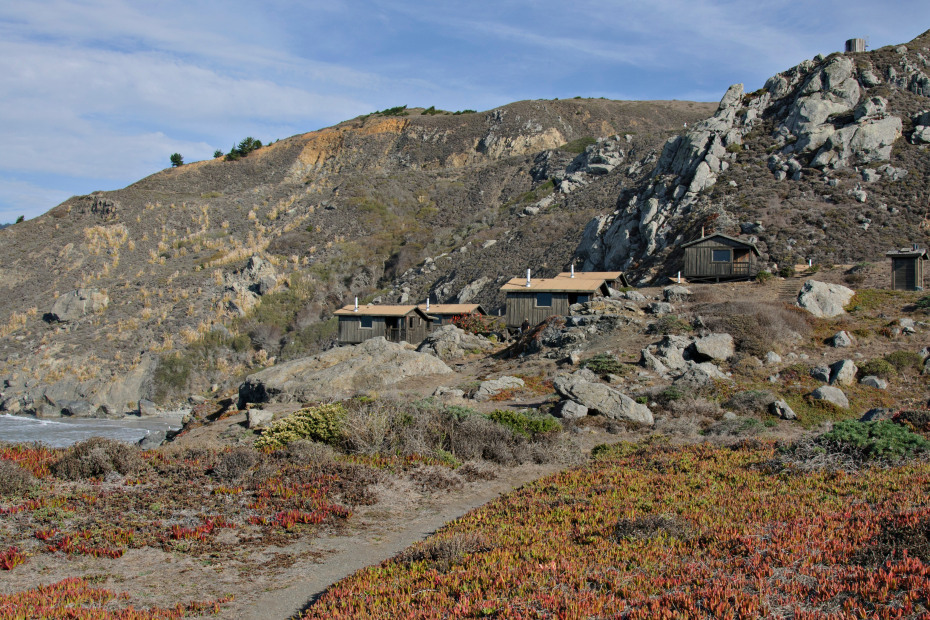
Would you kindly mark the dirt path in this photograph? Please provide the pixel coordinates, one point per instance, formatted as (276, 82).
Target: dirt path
(381, 532)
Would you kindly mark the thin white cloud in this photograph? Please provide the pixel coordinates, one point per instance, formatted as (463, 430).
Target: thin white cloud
(26, 199)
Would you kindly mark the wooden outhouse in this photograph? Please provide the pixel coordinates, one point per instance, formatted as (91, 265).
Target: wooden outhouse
(720, 257)
(395, 323)
(614, 279)
(907, 268)
(535, 300)
(442, 314)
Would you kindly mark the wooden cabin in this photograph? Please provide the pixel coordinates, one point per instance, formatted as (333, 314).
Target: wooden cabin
(907, 268)
(535, 300)
(614, 279)
(442, 314)
(719, 257)
(395, 323)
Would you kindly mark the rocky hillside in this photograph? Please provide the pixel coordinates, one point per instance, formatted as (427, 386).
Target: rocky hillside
(192, 277)
(185, 281)
(827, 162)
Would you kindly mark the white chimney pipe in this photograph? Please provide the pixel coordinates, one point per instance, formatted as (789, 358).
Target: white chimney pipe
(427, 304)
(573, 270)
(679, 277)
(528, 278)
(356, 305)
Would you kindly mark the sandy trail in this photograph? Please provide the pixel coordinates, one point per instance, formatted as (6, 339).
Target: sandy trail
(380, 534)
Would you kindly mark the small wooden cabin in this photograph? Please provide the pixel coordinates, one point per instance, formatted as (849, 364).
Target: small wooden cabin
(442, 314)
(535, 300)
(719, 257)
(907, 268)
(396, 323)
(614, 279)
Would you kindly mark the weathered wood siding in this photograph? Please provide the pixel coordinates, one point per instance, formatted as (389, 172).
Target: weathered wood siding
(352, 332)
(410, 328)
(699, 263)
(907, 274)
(522, 306)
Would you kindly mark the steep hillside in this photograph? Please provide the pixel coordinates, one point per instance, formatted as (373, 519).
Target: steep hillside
(827, 162)
(190, 277)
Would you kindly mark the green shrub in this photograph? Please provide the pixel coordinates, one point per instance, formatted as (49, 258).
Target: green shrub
(786, 271)
(171, 375)
(904, 359)
(669, 324)
(923, 302)
(525, 424)
(604, 364)
(878, 367)
(883, 440)
(578, 146)
(670, 394)
(764, 276)
(322, 423)
(176, 160)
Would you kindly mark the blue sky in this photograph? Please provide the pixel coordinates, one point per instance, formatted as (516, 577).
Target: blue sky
(96, 94)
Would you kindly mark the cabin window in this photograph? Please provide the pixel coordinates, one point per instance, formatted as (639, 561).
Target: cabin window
(411, 322)
(365, 322)
(720, 256)
(543, 300)
(582, 299)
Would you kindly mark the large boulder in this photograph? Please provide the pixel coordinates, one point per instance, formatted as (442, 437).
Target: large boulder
(781, 409)
(490, 388)
(451, 343)
(339, 373)
(671, 351)
(700, 376)
(831, 395)
(714, 347)
(76, 304)
(602, 399)
(824, 300)
(676, 293)
(843, 372)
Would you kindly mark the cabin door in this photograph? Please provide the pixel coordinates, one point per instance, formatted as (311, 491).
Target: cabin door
(394, 328)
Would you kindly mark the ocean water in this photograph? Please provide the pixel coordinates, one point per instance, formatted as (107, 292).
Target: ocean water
(63, 432)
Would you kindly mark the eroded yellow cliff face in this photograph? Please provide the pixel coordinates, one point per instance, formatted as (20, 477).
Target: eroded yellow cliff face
(327, 144)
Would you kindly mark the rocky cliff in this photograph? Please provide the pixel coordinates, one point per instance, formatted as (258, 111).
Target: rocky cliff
(826, 162)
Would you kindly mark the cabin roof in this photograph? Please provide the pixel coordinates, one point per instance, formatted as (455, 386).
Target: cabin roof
(920, 253)
(723, 236)
(452, 308)
(379, 310)
(602, 275)
(555, 285)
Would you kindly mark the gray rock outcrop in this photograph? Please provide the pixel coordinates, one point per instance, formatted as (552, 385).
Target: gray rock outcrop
(78, 303)
(841, 339)
(714, 347)
(874, 382)
(451, 343)
(490, 388)
(603, 400)
(339, 373)
(781, 409)
(831, 395)
(843, 372)
(570, 410)
(824, 300)
(700, 376)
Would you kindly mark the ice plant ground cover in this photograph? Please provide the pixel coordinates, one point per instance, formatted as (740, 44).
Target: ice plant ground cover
(655, 531)
(213, 505)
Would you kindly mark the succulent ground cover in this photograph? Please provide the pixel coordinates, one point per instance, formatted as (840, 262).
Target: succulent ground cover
(654, 531)
(212, 505)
